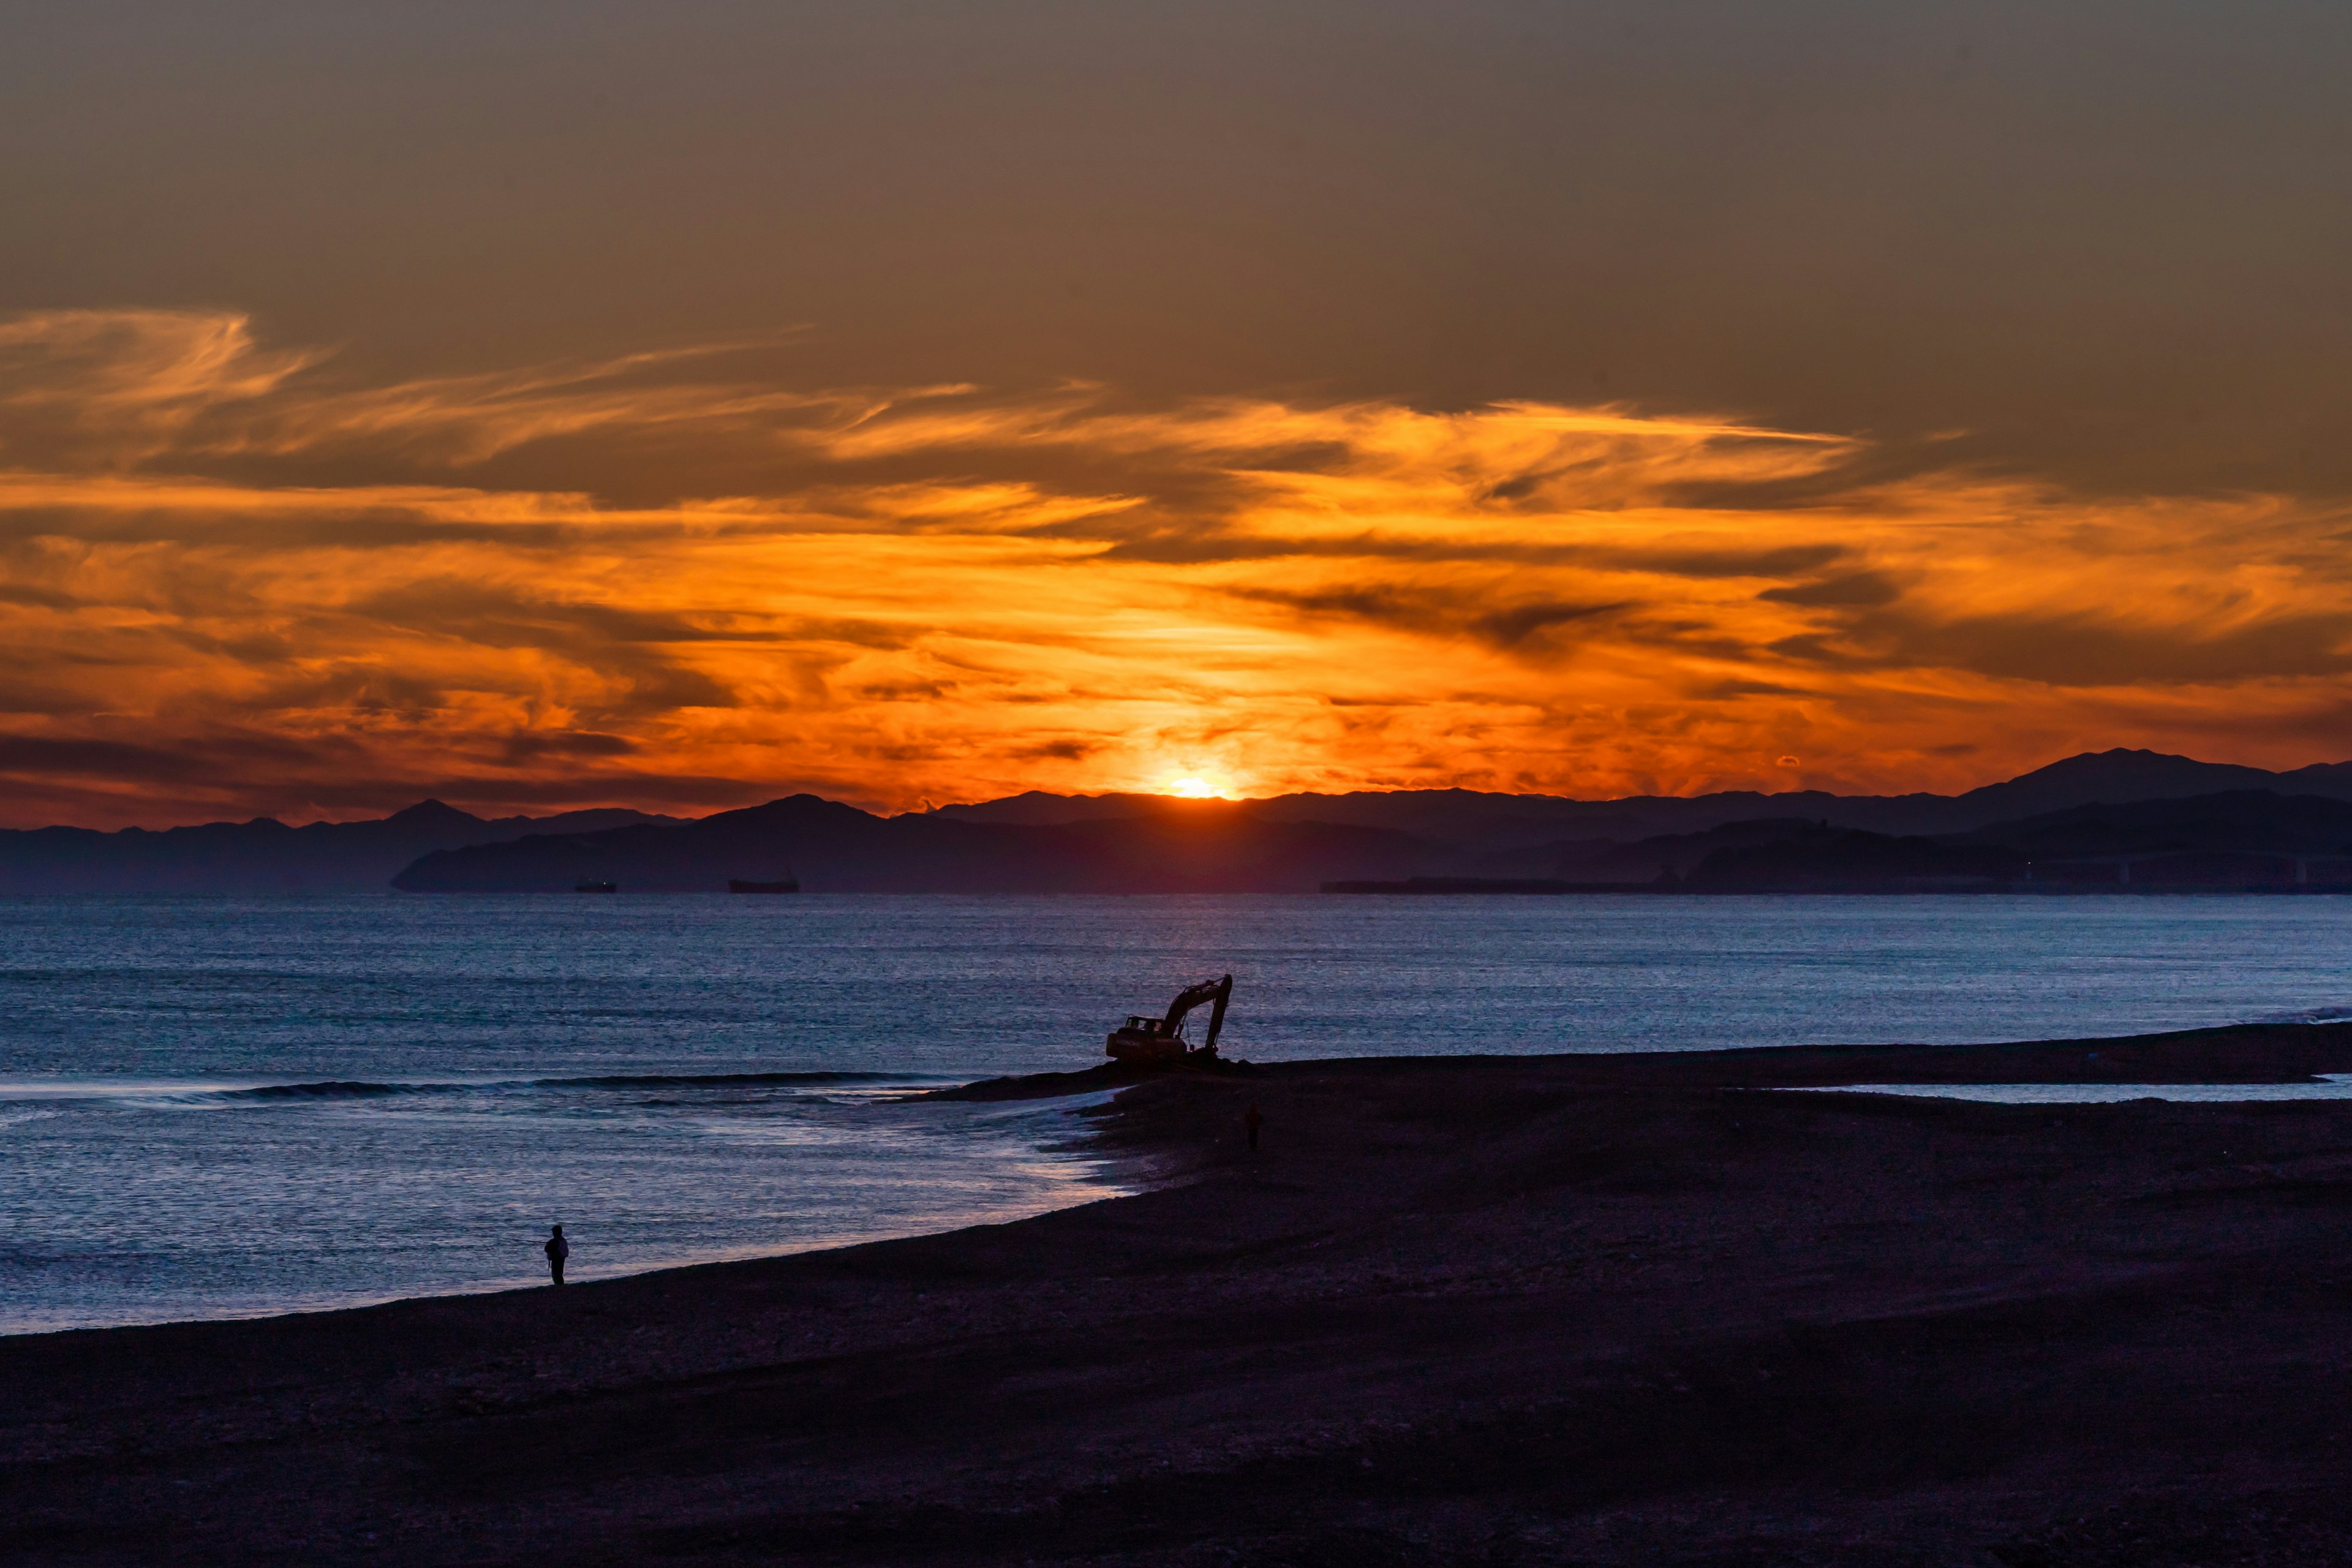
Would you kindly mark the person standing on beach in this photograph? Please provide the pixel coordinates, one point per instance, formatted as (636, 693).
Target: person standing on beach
(1251, 1123)
(558, 1249)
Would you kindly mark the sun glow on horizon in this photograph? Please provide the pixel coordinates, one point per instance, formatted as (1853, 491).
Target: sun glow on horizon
(1196, 789)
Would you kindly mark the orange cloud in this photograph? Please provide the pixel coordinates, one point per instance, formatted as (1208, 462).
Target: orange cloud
(230, 583)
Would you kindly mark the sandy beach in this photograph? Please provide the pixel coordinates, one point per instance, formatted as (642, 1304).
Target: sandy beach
(1623, 1308)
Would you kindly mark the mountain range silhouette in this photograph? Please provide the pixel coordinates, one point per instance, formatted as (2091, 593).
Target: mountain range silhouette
(2089, 809)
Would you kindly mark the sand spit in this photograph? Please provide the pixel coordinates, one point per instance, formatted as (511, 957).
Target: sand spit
(1601, 1310)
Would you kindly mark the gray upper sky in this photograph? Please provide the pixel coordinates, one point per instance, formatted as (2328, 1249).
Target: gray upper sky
(2106, 241)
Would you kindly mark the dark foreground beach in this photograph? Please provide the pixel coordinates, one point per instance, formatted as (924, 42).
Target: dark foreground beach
(1556, 1310)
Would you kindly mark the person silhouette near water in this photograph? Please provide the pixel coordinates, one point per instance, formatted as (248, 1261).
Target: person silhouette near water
(558, 1249)
(1251, 1123)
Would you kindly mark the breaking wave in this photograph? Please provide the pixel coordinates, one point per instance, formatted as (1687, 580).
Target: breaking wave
(335, 1089)
(361, 1088)
(675, 1080)
(2306, 1016)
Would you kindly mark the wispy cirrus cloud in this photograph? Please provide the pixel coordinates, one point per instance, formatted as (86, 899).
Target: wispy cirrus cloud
(118, 386)
(231, 581)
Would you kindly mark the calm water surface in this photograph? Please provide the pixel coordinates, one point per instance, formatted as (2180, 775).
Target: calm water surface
(216, 1107)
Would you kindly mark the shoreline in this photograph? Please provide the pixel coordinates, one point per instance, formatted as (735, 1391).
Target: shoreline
(1496, 1308)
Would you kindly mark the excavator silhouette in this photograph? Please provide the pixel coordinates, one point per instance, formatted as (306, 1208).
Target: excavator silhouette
(1161, 1041)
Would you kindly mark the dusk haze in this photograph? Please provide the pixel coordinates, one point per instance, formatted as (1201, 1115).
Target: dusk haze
(1160, 783)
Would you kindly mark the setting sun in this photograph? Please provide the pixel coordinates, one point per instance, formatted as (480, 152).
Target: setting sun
(1194, 789)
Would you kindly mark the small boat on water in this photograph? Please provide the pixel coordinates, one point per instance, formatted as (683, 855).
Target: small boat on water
(593, 886)
(738, 885)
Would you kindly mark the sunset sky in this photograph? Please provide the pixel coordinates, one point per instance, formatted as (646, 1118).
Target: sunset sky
(562, 403)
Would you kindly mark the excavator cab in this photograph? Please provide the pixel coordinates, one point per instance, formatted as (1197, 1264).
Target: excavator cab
(1162, 1041)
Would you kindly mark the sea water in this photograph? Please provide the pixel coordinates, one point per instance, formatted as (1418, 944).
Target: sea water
(214, 1107)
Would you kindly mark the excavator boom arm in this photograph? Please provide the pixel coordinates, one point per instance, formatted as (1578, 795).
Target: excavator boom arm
(1219, 991)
